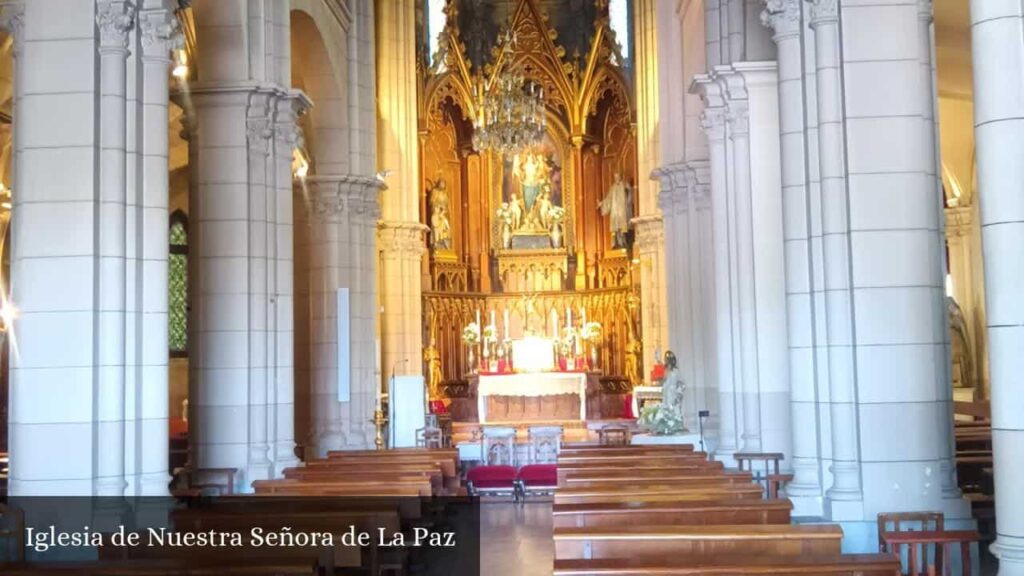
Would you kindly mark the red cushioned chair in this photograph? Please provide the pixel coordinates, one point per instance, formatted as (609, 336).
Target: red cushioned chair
(536, 479)
(493, 480)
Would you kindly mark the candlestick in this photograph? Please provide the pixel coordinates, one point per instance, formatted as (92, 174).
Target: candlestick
(506, 323)
(554, 324)
(568, 317)
(584, 321)
(492, 316)
(478, 317)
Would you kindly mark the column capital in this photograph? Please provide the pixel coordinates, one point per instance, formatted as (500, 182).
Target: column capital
(650, 233)
(925, 11)
(335, 196)
(12, 21)
(161, 33)
(712, 122)
(738, 117)
(824, 12)
(783, 17)
(674, 195)
(400, 239)
(114, 19)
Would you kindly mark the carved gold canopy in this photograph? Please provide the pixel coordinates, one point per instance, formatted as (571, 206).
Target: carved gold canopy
(572, 87)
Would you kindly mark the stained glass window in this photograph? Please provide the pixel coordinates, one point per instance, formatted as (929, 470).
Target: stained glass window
(436, 20)
(619, 20)
(177, 288)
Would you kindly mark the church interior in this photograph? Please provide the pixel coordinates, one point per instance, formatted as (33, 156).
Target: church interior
(651, 286)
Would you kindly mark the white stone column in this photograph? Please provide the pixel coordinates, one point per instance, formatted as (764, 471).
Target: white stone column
(401, 234)
(345, 210)
(784, 17)
(714, 127)
(895, 269)
(114, 20)
(281, 270)
(160, 34)
(846, 484)
(998, 58)
(738, 120)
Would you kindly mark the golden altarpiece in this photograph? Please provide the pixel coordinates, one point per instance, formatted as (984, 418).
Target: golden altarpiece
(520, 240)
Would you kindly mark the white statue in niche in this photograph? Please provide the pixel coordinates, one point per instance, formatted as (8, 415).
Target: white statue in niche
(617, 205)
(440, 226)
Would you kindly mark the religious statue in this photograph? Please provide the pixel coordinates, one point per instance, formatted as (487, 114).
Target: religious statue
(666, 417)
(440, 226)
(516, 210)
(432, 362)
(532, 171)
(617, 205)
(672, 387)
(544, 207)
(634, 350)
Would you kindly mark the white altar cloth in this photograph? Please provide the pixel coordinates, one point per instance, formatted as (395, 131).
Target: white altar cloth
(535, 384)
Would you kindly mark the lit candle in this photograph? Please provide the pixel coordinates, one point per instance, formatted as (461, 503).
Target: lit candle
(584, 312)
(506, 324)
(478, 317)
(554, 324)
(568, 317)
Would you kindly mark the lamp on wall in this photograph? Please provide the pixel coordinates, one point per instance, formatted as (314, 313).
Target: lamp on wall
(180, 70)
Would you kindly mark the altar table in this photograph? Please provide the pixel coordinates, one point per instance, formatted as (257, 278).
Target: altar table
(531, 384)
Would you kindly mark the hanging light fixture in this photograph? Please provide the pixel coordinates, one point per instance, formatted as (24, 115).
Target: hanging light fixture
(510, 112)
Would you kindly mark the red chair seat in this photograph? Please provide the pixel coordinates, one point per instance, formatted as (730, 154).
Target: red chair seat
(492, 476)
(539, 475)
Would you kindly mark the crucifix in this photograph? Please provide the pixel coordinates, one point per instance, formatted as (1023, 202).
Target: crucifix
(528, 311)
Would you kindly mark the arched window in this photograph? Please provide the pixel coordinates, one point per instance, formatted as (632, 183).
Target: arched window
(436, 20)
(620, 21)
(177, 286)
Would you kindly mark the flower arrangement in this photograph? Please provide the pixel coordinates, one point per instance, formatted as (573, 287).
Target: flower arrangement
(661, 419)
(591, 332)
(490, 334)
(471, 334)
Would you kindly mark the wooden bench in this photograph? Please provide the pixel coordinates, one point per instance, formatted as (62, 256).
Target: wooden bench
(655, 494)
(401, 487)
(735, 565)
(633, 459)
(658, 542)
(384, 474)
(631, 468)
(449, 466)
(698, 512)
(620, 450)
(682, 477)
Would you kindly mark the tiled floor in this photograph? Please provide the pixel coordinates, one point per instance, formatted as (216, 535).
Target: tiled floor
(516, 540)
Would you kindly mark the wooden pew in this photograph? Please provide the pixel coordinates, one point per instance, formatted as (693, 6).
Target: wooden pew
(382, 474)
(656, 494)
(659, 542)
(698, 512)
(368, 460)
(735, 565)
(287, 487)
(636, 457)
(682, 478)
(607, 469)
(627, 450)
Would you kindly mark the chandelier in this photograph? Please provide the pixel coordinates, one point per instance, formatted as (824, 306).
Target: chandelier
(510, 116)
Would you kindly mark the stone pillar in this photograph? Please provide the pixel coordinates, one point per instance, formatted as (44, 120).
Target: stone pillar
(650, 238)
(737, 117)
(998, 111)
(160, 34)
(893, 265)
(714, 127)
(345, 210)
(784, 17)
(281, 283)
(401, 235)
(846, 485)
(83, 225)
(114, 20)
